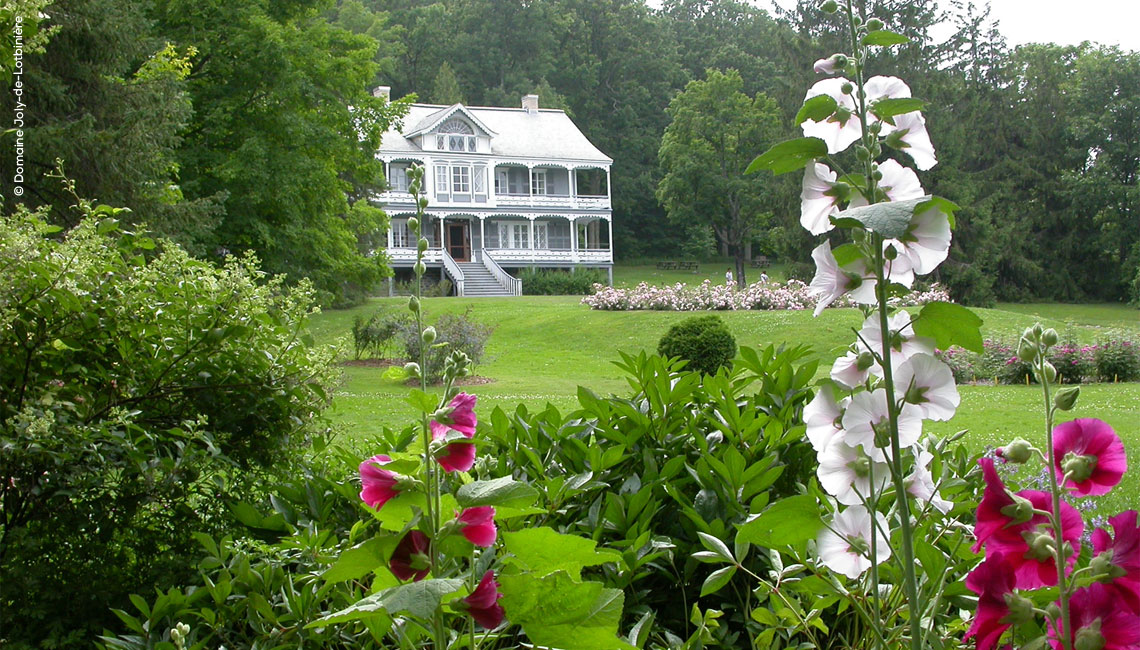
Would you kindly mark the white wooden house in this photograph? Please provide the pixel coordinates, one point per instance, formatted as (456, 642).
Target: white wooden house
(507, 189)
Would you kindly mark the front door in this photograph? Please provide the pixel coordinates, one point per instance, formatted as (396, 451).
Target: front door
(459, 241)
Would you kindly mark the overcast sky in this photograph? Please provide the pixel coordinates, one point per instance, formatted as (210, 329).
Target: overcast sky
(1067, 22)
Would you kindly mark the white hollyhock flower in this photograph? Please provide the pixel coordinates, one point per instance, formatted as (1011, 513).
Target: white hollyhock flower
(815, 204)
(904, 342)
(848, 472)
(910, 135)
(830, 65)
(898, 183)
(880, 87)
(920, 482)
(928, 384)
(830, 281)
(846, 369)
(841, 129)
(845, 546)
(927, 240)
(820, 416)
(867, 413)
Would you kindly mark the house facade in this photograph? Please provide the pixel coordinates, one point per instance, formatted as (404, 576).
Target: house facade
(507, 189)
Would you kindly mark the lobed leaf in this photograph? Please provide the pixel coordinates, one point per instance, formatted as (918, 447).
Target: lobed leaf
(788, 156)
(950, 324)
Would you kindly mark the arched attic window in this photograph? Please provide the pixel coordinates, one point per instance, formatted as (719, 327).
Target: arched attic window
(458, 135)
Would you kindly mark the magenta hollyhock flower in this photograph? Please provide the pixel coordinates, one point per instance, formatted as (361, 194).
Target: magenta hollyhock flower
(993, 582)
(379, 484)
(483, 603)
(457, 457)
(1092, 453)
(410, 560)
(1125, 547)
(479, 525)
(461, 418)
(1097, 621)
(1006, 523)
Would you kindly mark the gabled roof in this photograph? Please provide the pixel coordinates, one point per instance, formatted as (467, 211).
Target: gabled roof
(515, 133)
(430, 122)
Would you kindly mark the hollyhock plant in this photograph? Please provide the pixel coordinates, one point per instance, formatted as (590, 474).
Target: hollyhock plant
(928, 383)
(927, 240)
(830, 65)
(819, 198)
(1091, 454)
(840, 130)
(920, 482)
(852, 369)
(478, 525)
(379, 485)
(821, 415)
(457, 457)
(460, 417)
(483, 603)
(899, 184)
(1096, 621)
(909, 135)
(904, 342)
(868, 413)
(845, 546)
(993, 582)
(1124, 563)
(849, 474)
(410, 560)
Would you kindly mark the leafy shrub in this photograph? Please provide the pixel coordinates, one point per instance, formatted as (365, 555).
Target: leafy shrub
(1074, 362)
(680, 456)
(550, 282)
(1117, 360)
(141, 390)
(374, 336)
(454, 332)
(704, 342)
(433, 287)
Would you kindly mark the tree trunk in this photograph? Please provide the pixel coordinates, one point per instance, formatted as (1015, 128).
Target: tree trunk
(740, 281)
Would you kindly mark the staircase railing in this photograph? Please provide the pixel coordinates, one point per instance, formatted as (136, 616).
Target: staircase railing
(454, 271)
(511, 284)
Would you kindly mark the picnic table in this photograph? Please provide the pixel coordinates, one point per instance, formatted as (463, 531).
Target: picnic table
(671, 265)
(761, 262)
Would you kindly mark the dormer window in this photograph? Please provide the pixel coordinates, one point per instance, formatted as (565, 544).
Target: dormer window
(459, 136)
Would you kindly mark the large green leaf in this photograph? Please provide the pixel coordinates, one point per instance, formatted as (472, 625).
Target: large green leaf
(503, 491)
(558, 611)
(419, 599)
(891, 107)
(884, 38)
(789, 521)
(788, 156)
(817, 109)
(889, 219)
(360, 559)
(545, 550)
(950, 324)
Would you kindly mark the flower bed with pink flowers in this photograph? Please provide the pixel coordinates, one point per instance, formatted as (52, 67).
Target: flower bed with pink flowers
(771, 296)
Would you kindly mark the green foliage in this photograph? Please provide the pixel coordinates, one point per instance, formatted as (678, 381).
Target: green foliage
(703, 341)
(455, 332)
(375, 335)
(658, 482)
(1117, 360)
(549, 282)
(445, 89)
(142, 391)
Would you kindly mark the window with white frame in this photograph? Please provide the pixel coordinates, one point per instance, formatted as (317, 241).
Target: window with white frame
(441, 180)
(479, 179)
(398, 178)
(460, 179)
(401, 236)
(513, 234)
(540, 238)
(461, 135)
(538, 181)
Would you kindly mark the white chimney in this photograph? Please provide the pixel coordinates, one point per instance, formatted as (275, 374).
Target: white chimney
(383, 91)
(530, 103)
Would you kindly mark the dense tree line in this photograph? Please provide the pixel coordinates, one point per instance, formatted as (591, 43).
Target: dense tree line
(228, 125)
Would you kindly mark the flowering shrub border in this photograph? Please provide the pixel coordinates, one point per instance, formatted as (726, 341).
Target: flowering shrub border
(793, 294)
(1107, 360)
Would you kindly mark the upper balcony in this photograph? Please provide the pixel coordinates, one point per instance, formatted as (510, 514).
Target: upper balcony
(511, 185)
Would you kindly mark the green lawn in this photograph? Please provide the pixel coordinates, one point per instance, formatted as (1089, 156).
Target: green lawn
(630, 275)
(543, 348)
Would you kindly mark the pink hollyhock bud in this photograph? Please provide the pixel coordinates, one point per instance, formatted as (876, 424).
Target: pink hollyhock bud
(1002, 527)
(461, 417)
(1123, 549)
(1097, 622)
(479, 525)
(379, 484)
(483, 603)
(410, 560)
(457, 457)
(1091, 452)
(993, 582)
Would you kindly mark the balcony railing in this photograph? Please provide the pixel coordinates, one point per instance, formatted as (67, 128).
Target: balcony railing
(509, 256)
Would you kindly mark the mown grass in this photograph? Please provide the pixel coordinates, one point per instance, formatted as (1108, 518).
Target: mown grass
(543, 348)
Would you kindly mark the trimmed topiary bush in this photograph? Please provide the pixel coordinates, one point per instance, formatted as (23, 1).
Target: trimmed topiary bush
(704, 342)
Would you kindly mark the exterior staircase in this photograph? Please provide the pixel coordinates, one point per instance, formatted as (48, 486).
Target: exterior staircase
(478, 281)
